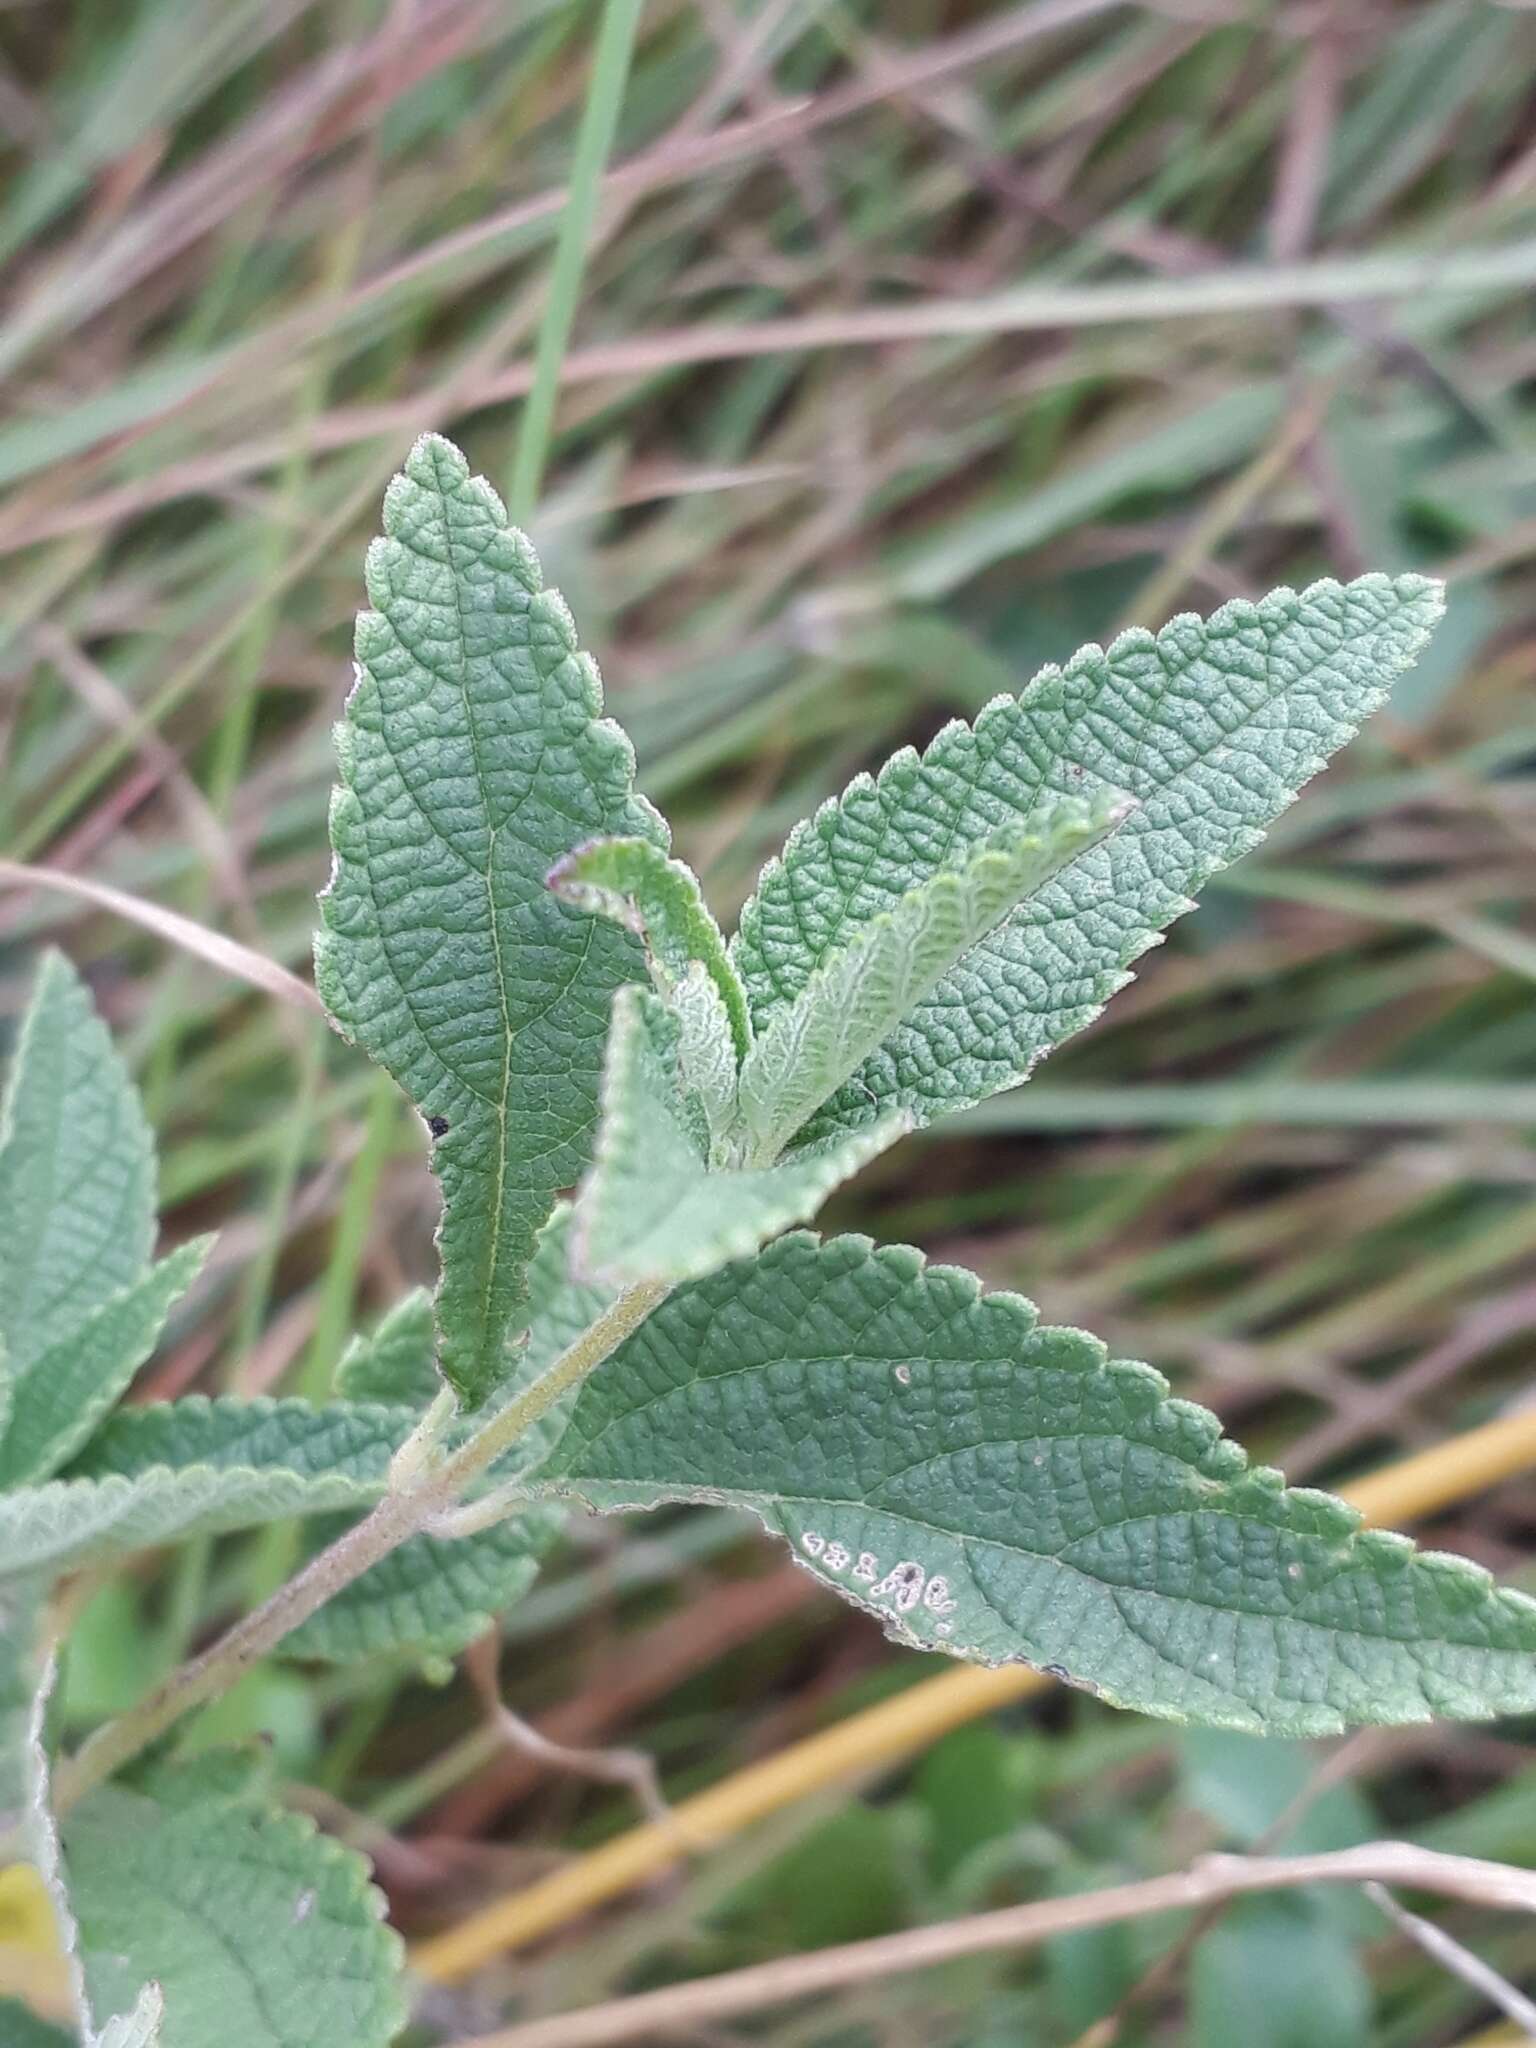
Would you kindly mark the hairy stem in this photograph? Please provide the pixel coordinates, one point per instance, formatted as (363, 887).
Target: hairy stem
(421, 1488)
(597, 1342)
(396, 1517)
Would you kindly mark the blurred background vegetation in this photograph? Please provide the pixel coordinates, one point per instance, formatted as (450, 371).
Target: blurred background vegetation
(834, 460)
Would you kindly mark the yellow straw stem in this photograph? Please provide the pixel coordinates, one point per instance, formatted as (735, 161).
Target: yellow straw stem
(1450, 1472)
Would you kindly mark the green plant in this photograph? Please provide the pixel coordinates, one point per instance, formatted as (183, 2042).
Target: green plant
(506, 934)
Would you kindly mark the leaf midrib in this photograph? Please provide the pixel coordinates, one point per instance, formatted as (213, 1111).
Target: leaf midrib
(482, 1345)
(745, 1497)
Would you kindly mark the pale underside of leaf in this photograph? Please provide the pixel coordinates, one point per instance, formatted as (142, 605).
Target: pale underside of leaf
(707, 1061)
(998, 1489)
(473, 756)
(650, 1209)
(158, 1474)
(41, 1836)
(21, 1665)
(259, 1931)
(346, 1443)
(1210, 727)
(862, 991)
(203, 1465)
(59, 1399)
(77, 1171)
(633, 883)
(67, 1523)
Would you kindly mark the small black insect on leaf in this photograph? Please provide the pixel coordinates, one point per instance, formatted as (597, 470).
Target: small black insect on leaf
(438, 1126)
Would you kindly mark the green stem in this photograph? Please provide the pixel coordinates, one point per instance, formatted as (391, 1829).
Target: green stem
(423, 1484)
(594, 140)
(597, 1342)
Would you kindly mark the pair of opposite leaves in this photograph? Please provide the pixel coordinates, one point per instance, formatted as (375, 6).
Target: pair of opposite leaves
(983, 1484)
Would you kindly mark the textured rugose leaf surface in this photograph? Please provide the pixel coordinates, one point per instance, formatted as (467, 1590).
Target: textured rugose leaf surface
(1001, 1490)
(260, 1932)
(1211, 726)
(473, 757)
(429, 1597)
(195, 1467)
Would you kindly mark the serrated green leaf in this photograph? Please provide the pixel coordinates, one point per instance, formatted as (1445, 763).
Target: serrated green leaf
(396, 1365)
(999, 1489)
(393, 1367)
(77, 1171)
(62, 1395)
(472, 758)
(651, 1208)
(1210, 726)
(862, 991)
(259, 1931)
(196, 1467)
(349, 1443)
(561, 1308)
(634, 884)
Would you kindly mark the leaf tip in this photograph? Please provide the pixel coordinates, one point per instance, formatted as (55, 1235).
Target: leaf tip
(431, 456)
